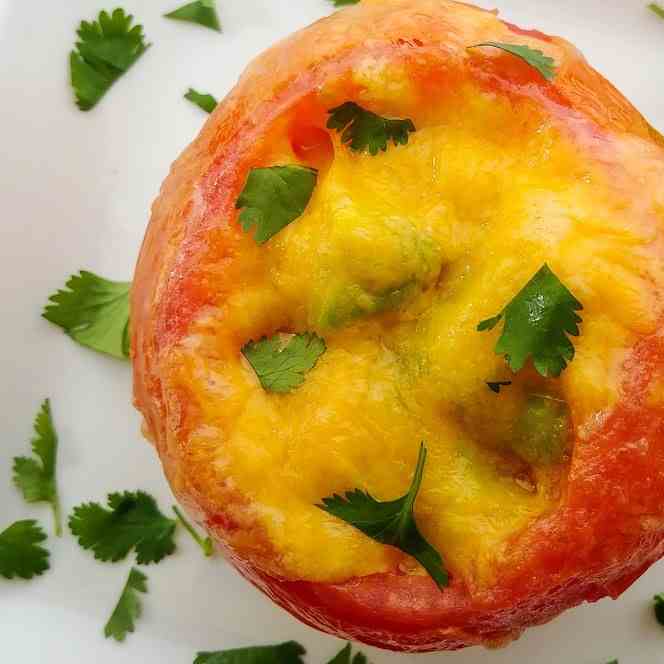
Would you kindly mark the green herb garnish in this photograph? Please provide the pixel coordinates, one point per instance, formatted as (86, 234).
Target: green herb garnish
(94, 312)
(108, 47)
(283, 653)
(391, 522)
(657, 9)
(280, 366)
(537, 321)
(203, 12)
(128, 609)
(20, 553)
(344, 656)
(536, 59)
(659, 608)
(204, 101)
(133, 522)
(36, 478)
(274, 197)
(205, 543)
(364, 131)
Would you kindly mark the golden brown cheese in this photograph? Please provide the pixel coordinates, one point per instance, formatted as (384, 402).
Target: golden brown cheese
(395, 261)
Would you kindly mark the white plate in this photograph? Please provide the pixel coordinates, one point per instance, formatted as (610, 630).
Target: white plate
(75, 189)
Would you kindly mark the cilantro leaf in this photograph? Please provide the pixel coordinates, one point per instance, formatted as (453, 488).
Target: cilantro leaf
(536, 323)
(204, 101)
(128, 609)
(134, 521)
(365, 131)
(107, 48)
(205, 543)
(289, 652)
(36, 479)
(343, 3)
(657, 9)
(659, 608)
(274, 197)
(279, 367)
(391, 522)
(536, 59)
(94, 312)
(203, 12)
(344, 656)
(495, 386)
(20, 553)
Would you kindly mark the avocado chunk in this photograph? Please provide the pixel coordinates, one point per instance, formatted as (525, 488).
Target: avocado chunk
(378, 265)
(542, 432)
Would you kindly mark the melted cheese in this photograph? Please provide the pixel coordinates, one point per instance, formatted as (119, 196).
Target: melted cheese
(395, 261)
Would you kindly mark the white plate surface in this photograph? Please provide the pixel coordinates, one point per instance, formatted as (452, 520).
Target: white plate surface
(75, 189)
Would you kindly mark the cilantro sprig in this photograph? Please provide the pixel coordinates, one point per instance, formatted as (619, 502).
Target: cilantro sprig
(537, 322)
(289, 652)
(344, 656)
(128, 609)
(544, 64)
(20, 553)
(36, 478)
(94, 312)
(205, 543)
(274, 197)
(659, 608)
(391, 522)
(202, 12)
(106, 49)
(281, 367)
(657, 9)
(132, 522)
(204, 101)
(364, 131)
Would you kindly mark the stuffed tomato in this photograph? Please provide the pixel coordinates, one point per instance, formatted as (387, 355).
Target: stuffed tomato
(397, 328)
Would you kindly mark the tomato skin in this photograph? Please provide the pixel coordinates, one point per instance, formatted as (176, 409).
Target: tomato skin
(608, 529)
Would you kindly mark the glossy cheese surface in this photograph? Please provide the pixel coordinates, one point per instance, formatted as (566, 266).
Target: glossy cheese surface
(396, 260)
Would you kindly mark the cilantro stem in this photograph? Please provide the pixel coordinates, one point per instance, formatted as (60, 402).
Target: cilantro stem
(205, 543)
(57, 515)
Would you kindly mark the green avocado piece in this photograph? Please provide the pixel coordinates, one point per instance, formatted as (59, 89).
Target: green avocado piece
(376, 266)
(542, 433)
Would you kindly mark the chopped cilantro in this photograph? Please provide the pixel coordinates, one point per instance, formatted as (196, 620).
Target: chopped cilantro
(365, 131)
(495, 386)
(36, 479)
(94, 312)
(657, 9)
(204, 101)
(536, 59)
(537, 321)
(344, 656)
(205, 543)
(289, 652)
(391, 522)
(133, 521)
(659, 608)
(108, 47)
(274, 197)
(20, 553)
(203, 12)
(281, 367)
(128, 609)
